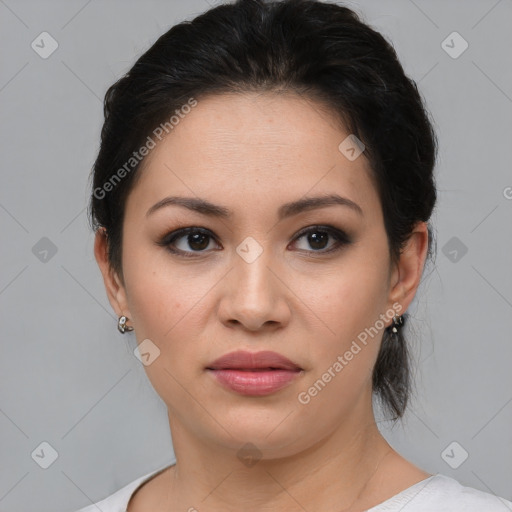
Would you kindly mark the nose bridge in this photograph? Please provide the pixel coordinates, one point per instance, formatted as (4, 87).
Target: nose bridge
(251, 262)
(253, 295)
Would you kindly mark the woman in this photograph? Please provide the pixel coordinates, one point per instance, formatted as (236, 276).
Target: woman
(261, 201)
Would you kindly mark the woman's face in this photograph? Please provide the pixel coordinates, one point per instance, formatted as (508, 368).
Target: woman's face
(254, 279)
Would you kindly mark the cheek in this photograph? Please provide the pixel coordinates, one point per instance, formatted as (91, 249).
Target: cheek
(350, 302)
(343, 361)
(353, 297)
(156, 298)
(162, 306)
(167, 302)
(159, 305)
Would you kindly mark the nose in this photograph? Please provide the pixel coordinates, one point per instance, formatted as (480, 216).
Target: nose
(254, 296)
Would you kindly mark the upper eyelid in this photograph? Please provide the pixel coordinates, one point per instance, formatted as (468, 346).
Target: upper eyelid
(190, 229)
(176, 234)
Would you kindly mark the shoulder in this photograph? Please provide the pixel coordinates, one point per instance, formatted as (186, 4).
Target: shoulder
(118, 501)
(441, 493)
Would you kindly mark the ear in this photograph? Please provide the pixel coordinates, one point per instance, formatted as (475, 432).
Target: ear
(406, 274)
(114, 287)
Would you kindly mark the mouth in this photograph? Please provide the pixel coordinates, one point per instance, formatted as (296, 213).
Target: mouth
(253, 361)
(269, 369)
(254, 374)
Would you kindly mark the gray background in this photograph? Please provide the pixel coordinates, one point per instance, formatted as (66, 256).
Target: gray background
(70, 379)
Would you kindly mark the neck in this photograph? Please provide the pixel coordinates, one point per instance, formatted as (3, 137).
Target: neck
(335, 473)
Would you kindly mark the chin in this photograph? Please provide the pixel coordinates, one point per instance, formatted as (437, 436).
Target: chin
(270, 429)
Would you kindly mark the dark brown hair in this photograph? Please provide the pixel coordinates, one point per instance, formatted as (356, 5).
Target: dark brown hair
(321, 51)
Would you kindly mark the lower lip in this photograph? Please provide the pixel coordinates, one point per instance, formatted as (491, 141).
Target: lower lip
(257, 383)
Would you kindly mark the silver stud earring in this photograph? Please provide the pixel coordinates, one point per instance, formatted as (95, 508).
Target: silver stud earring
(398, 321)
(121, 325)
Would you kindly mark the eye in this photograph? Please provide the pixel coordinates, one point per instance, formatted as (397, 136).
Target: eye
(318, 238)
(197, 239)
(192, 241)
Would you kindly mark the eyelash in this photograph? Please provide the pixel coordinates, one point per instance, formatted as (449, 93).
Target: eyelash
(340, 237)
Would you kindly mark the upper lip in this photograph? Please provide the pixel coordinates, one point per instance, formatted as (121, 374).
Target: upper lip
(243, 360)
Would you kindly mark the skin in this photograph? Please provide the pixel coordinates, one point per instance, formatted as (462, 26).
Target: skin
(251, 153)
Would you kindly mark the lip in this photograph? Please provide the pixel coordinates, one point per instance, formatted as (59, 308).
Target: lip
(244, 360)
(254, 373)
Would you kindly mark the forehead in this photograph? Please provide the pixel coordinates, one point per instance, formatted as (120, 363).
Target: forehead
(254, 148)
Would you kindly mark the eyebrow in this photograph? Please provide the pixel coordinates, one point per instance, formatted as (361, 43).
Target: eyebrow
(286, 210)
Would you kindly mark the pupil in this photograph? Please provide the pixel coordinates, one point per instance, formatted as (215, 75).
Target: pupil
(314, 239)
(193, 241)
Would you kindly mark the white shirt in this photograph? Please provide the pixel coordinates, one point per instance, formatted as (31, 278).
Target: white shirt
(437, 493)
